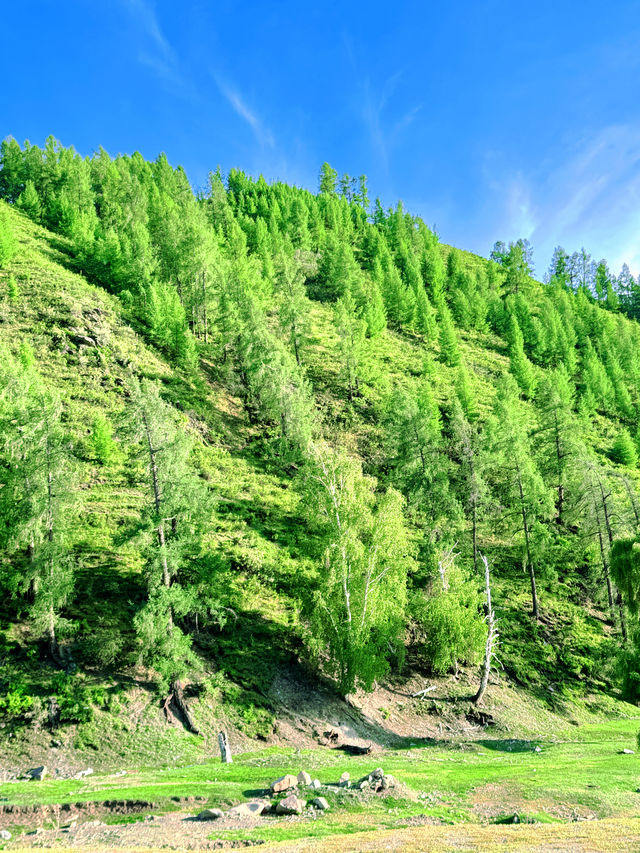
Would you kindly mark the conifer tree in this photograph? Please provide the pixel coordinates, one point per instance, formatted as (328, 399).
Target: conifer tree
(425, 316)
(294, 308)
(525, 499)
(351, 330)
(449, 349)
(374, 313)
(174, 509)
(38, 497)
(624, 450)
(558, 434)
(470, 452)
(29, 202)
(8, 243)
(520, 366)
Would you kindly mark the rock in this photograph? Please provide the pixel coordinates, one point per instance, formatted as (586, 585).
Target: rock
(537, 749)
(344, 780)
(320, 803)
(363, 785)
(38, 773)
(378, 773)
(316, 784)
(82, 340)
(388, 781)
(5, 835)
(304, 778)
(255, 807)
(83, 773)
(515, 818)
(290, 805)
(210, 814)
(284, 783)
(628, 752)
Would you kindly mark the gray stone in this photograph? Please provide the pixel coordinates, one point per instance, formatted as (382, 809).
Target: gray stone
(316, 784)
(38, 773)
(344, 780)
(628, 752)
(82, 340)
(320, 803)
(254, 808)
(284, 783)
(290, 805)
(210, 814)
(378, 773)
(304, 778)
(5, 835)
(537, 749)
(388, 781)
(363, 785)
(83, 773)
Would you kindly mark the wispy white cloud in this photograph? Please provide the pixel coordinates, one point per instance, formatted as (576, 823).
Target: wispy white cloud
(239, 105)
(384, 133)
(589, 196)
(154, 48)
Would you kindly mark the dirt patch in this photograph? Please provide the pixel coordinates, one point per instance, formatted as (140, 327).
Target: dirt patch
(494, 801)
(65, 812)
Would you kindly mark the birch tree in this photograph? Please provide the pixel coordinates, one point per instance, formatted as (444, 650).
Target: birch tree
(357, 614)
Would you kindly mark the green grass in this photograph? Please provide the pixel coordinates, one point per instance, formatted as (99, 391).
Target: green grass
(579, 772)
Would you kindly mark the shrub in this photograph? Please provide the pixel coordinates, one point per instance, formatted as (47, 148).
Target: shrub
(624, 450)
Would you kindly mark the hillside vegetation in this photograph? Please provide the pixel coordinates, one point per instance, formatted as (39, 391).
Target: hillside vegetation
(256, 426)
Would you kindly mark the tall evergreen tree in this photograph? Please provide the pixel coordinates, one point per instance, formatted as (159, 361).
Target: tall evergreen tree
(525, 499)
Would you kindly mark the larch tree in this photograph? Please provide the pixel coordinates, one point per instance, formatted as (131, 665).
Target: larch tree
(351, 330)
(525, 499)
(294, 304)
(38, 495)
(174, 509)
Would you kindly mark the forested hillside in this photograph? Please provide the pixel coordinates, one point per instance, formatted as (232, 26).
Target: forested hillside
(256, 424)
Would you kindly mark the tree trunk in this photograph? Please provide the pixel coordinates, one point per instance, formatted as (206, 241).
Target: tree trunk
(225, 749)
(204, 308)
(623, 620)
(474, 534)
(492, 636)
(179, 700)
(532, 574)
(560, 505)
(605, 562)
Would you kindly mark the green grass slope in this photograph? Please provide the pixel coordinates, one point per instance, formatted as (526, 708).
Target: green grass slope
(257, 541)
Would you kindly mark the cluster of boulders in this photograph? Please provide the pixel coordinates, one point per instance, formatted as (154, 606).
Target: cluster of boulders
(37, 774)
(293, 803)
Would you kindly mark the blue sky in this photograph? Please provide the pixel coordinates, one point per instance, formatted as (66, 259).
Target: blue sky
(492, 120)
